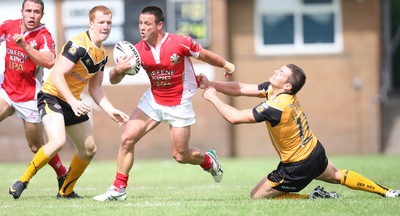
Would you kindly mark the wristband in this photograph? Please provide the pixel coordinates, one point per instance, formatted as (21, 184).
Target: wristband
(229, 67)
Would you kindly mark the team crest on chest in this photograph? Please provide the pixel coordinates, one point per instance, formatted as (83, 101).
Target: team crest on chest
(175, 59)
(33, 44)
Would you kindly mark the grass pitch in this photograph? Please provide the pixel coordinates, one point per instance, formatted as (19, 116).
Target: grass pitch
(164, 187)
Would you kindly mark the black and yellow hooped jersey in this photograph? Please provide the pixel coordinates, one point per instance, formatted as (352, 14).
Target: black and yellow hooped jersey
(88, 58)
(286, 123)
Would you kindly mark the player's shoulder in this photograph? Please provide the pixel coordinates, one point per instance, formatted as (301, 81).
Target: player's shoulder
(81, 39)
(180, 38)
(12, 23)
(283, 100)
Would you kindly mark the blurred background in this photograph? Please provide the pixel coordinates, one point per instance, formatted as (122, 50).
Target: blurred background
(349, 50)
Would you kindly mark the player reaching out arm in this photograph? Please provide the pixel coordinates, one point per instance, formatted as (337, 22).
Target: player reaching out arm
(302, 156)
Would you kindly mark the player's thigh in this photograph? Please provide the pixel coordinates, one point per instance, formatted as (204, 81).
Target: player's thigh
(331, 174)
(53, 124)
(5, 109)
(81, 135)
(180, 139)
(139, 124)
(264, 190)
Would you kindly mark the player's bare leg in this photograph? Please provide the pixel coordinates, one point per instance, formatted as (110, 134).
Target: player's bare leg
(5, 109)
(138, 125)
(82, 136)
(183, 153)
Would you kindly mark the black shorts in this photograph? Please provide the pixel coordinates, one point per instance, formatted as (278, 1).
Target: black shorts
(293, 177)
(48, 103)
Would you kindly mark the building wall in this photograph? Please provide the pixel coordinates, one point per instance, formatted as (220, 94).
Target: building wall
(344, 117)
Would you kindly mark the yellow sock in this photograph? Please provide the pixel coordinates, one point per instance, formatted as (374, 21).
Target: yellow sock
(356, 181)
(291, 196)
(76, 169)
(39, 160)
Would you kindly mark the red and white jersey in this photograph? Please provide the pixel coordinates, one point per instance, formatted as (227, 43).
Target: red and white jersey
(23, 78)
(169, 68)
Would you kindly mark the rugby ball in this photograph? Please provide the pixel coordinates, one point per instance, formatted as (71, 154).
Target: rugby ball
(124, 48)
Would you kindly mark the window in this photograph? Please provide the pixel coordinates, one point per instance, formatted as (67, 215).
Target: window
(189, 17)
(289, 27)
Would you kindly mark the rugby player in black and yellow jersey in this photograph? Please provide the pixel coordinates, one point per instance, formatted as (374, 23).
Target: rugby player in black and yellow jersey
(81, 63)
(302, 156)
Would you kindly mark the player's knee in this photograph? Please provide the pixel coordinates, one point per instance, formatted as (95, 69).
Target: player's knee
(34, 149)
(34, 144)
(127, 143)
(88, 153)
(254, 194)
(92, 151)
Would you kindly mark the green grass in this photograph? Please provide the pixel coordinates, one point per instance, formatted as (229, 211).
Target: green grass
(164, 187)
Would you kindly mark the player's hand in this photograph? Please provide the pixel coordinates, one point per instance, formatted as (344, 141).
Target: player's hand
(20, 40)
(124, 64)
(209, 92)
(120, 117)
(80, 108)
(227, 74)
(203, 81)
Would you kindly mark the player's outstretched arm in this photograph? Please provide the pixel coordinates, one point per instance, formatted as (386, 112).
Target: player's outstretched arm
(231, 114)
(217, 61)
(230, 88)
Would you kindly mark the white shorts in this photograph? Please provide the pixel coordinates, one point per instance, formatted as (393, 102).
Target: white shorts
(177, 116)
(26, 110)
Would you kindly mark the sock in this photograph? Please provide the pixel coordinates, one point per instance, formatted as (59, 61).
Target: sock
(76, 169)
(58, 167)
(207, 163)
(39, 160)
(291, 196)
(356, 181)
(121, 181)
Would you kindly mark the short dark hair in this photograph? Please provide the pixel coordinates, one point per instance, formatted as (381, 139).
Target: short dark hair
(297, 79)
(156, 11)
(35, 1)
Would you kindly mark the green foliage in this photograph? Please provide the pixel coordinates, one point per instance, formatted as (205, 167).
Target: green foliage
(167, 188)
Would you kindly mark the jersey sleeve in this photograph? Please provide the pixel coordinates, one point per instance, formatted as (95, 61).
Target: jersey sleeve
(73, 51)
(3, 27)
(263, 87)
(47, 43)
(190, 47)
(264, 112)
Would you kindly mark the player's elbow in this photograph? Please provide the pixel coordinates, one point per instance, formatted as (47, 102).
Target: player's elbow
(233, 120)
(49, 64)
(114, 81)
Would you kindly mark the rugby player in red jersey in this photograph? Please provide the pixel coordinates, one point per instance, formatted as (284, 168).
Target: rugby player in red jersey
(166, 59)
(29, 49)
